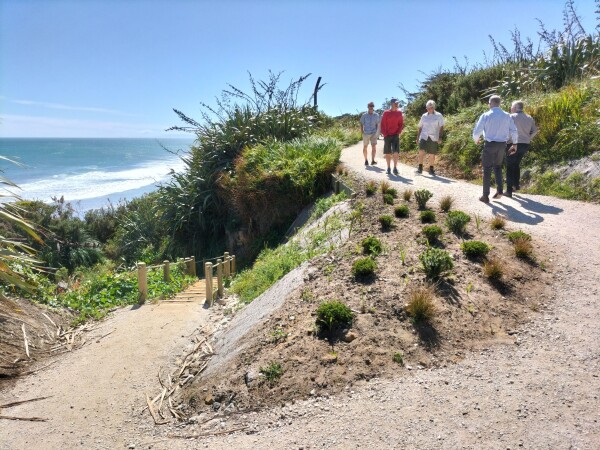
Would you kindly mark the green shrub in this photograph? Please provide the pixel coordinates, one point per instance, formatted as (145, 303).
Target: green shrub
(432, 232)
(427, 216)
(371, 188)
(446, 203)
(435, 262)
(514, 235)
(364, 268)
(422, 196)
(371, 246)
(457, 221)
(388, 199)
(401, 211)
(398, 358)
(272, 372)
(393, 192)
(420, 304)
(475, 249)
(386, 222)
(333, 315)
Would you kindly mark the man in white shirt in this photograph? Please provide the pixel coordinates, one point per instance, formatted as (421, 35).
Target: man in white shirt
(429, 135)
(497, 127)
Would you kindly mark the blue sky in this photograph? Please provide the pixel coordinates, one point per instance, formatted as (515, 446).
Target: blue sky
(116, 68)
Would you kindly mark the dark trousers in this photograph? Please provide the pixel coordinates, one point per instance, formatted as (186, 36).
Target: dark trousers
(492, 158)
(513, 167)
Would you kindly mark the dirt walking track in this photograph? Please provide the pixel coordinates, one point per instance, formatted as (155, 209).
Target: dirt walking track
(538, 392)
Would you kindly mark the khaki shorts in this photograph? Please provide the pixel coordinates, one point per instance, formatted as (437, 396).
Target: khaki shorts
(372, 138)
(430, 146)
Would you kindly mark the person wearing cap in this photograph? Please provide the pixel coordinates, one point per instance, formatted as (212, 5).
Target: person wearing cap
(369, 127)
(527, 130)
(429, 135)
(497, 127)
(392, 123)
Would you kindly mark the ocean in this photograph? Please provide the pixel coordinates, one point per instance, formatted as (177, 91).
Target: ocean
(89, 173)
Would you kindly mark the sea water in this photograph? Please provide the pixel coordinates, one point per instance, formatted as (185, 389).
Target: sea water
(89, 173)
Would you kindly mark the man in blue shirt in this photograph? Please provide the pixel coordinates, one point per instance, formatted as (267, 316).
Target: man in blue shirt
(370, 129)
(497, 127)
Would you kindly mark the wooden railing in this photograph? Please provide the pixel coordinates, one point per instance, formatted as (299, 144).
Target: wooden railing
(224, 266)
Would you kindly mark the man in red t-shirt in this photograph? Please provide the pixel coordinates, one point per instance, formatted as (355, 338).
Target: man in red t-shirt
(392, 124)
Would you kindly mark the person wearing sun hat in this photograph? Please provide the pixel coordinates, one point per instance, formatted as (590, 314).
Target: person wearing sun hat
(392, 124)
(369, 127)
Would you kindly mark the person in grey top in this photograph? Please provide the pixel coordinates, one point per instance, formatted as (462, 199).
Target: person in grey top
(497, 127)
(370, 124)
(527, 130)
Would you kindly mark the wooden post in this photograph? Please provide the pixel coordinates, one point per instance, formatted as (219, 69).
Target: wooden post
(317, 87)
(232, 264)
(227, 262)
(220, 277)
(142, 282)
(188, 266)
(193, 266)
(166, 271)
(208, 270)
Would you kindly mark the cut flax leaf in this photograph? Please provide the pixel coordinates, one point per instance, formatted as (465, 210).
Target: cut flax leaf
(25, 339)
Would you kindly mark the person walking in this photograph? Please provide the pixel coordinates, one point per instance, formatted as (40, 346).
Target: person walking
(429, 136)
(527, 130)
(497, 127)
(370, 129)
(392, 124)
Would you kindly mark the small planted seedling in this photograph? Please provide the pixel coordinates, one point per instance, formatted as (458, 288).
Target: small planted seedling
(272, 372)
(435, 262)
(475, 249)
(398, 358)
(386, 222)
(393, 192)
(492, 269)
(388, 199)
(402, 211)
(385, 185)
(523, 248)
(407, 194)
(432, 233)
(364, 268)
(422, 196)
(498, 222)
(371, 246)
(514, 235)
(420, 304)
(333, 315)
(427, 216)
(371, 188)
(457, 221)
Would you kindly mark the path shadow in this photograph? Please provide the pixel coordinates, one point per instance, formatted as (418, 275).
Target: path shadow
(514, 215)
(398, 178)
(374, 169)
(537, 207)
(441, 179)
(428, 334)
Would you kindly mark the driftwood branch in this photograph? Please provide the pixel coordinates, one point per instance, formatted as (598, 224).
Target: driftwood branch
(20, 402)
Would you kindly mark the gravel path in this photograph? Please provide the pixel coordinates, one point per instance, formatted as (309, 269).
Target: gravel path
(539, 392)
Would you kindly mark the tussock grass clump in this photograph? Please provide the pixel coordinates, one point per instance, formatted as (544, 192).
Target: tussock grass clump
(422, 196)
(446, 203)
(272, 372)
(371, 246)
(457, 221)
(388, 199)
(523, 248)
(492, 269)
(420, 304)
(427, 216)
(384, 187)
(407, 194)
(364, 268)
(402, 211)
(386, 222)
(432, 232)
(514, 235)
(371, 188)
(333, 315)
(498, 223)
(475, 249)
(435, 262)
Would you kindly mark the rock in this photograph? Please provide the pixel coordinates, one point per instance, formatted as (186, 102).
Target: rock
(209, 400)
(216, 406)
(329, 358)
(349, 337)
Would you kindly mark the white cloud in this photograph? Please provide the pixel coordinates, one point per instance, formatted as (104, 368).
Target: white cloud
(12, 125)
(70, 108)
